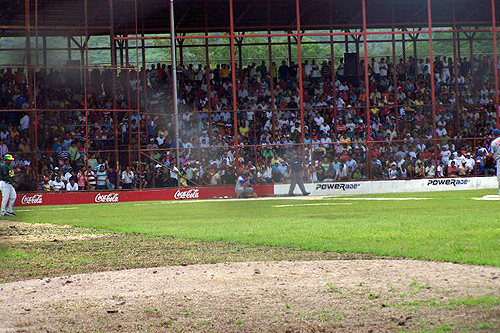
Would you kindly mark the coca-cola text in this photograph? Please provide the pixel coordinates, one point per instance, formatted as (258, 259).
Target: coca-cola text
(35, 199)
(104, 198)
(187, 194)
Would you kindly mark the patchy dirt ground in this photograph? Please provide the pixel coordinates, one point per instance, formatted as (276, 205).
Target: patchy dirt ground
(29, 251)
(371, 295)
(19, 232)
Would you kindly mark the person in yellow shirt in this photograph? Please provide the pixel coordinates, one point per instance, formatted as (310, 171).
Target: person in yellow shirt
(14, 133)
(244, 129)
(224, 73)
(274, 73)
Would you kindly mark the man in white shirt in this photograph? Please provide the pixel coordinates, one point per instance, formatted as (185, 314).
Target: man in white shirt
(441, 131)
(127, 178)
(445, 155)
(24, 123)
(324, 128)
(57, 184)
(351, 165)
(383, 67)
(71, 186)
(160, 140)
(376, 69)
(318, 119)
(307, 69)
(326, 141)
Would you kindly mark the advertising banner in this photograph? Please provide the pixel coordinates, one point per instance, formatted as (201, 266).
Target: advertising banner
(72, 198)
(393, 186)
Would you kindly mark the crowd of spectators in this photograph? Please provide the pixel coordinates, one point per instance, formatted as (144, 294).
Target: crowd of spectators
(268, 123)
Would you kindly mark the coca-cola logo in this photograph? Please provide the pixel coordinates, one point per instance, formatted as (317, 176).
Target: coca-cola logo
(36, 199)
(104, 198)
(187, 194)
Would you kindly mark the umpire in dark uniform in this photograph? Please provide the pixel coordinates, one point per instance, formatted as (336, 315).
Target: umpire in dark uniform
(296, 173)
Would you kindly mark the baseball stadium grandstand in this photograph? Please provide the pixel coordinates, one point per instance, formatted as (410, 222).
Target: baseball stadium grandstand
(139, 94)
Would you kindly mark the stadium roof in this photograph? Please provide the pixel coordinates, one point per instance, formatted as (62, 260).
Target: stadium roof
(63, 17)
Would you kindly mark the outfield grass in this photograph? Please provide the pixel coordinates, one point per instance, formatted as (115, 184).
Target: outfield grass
(447, 227)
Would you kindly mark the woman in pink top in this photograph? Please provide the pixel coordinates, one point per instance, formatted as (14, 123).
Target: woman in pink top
(81, 181)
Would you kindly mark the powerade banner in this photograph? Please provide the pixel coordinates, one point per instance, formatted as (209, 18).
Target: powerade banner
(449, 182)
(337, 186)
(393, 186)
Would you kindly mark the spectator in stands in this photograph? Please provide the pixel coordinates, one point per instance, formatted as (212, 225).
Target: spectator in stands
(72, 185)
(101, 177)
(127, 178)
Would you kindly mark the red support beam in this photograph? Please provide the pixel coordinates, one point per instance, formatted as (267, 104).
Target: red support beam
(33, 93)
(233, 80)
(332, 48)
(144, 76)
(495, 57)
(85, 100)
(455, 75)
(301, 85)
(207, 75)
(433, 85)
(395, 85)
(138, 96)
(367, 96)
(113, 84)
(270, 69)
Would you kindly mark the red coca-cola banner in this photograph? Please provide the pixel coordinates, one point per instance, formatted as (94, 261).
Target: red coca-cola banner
(73, 198)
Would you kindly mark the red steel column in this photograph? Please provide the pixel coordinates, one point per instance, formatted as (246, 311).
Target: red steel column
(44, 60)
(27, 21)
(129, 99)
(85, 69)
(495, 57)
(113, 71)
(433, 86)
(395, 83)
(270, 70)
(233, 78)
(394, 74)
(144, 76)
(138, 95)
(301, 86)
(455, 74)
(332, 48)
(367, 96)
(207, 75)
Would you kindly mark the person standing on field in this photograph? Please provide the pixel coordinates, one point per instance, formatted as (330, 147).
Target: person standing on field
(495, 151)
(296, 174)
(6, 186)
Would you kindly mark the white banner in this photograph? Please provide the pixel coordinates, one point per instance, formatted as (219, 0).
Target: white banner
(393, 186)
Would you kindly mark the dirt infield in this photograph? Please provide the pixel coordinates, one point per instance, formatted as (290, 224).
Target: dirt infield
(347, 293)
(356, 296)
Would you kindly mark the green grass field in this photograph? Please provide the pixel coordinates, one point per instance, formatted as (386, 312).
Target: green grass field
(449, 226)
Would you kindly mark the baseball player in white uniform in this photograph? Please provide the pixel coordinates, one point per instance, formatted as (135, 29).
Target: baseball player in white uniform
(495, 151)
(6, 186)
